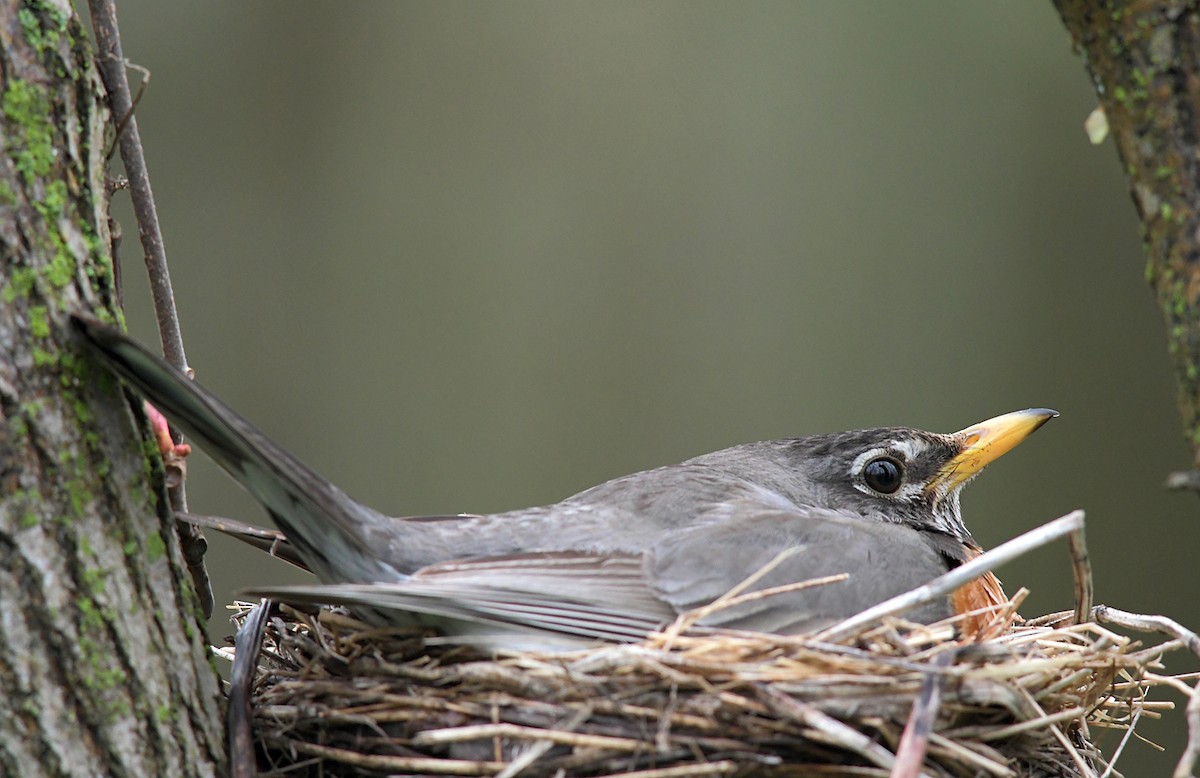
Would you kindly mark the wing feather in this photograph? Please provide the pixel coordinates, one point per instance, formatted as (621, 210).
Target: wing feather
(546, 600)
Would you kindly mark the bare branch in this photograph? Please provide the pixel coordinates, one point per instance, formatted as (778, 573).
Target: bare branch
(111, 62)
(943, 585)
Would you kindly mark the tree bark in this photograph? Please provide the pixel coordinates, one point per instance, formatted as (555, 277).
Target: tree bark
(104, 668)
(1144, 61)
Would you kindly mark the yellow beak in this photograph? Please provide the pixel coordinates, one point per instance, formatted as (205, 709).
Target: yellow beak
(984, 443)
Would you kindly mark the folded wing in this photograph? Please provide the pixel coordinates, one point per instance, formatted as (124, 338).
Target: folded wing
(557, 600)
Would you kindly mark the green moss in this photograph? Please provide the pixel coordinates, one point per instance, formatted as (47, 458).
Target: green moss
(1166, 210)
(78, 494)
(90, 615)
(18, 427)
(155, 547)
(94, 579)
(165, 713)
(130, 548)
(31, 147)
(32, 27)
(42, 37)
(42, 357)
(28, 110)
(74, 365)
(100, 675)
(100, 269)
(20, 283)
(7, 195)
(83, 411)
(111, 678)
(92, 241)
(23, 500)
(54, 202)
(62, 267)
(39, 321)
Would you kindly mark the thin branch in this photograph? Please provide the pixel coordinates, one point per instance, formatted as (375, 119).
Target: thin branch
(1112, 763)
(1191, 753)
(1160, 624)
(111, 62)
(914, 742)
(825, 727)
(540, 747)
(120, 130)
(247, 646)
(1172, 628)
(738, 596)
(1081, 568)
(943, 585)
(1184, 480)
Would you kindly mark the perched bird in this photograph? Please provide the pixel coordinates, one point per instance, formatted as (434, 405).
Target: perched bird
(621, 559)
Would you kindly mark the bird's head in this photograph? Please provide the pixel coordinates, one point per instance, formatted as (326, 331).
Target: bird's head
(905, 475)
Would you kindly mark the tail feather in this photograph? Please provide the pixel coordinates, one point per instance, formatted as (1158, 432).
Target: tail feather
(336, 536)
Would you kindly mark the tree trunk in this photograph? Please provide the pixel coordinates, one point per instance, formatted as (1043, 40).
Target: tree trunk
(1144, 61)
(104, 667)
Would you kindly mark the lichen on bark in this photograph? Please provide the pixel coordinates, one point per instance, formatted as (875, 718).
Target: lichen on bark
(1144, 62)
(103, 664)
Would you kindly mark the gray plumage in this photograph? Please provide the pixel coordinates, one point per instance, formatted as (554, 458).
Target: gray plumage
(614, 561)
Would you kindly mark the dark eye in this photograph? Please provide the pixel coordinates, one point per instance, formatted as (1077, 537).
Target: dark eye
(884, 475)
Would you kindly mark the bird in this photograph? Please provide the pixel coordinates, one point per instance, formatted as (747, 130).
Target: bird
(878, 507)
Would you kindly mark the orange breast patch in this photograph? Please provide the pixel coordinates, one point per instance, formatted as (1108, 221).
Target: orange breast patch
(983, 592)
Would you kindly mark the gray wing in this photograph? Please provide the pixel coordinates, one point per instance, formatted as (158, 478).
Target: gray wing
(693, 567)
(550, 601)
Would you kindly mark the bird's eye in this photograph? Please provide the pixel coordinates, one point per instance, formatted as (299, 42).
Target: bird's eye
(884, 475)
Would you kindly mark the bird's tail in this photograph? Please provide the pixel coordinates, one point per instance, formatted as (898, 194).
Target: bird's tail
(339, 539)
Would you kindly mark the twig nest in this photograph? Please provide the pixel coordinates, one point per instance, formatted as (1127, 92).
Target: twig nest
(334, 696)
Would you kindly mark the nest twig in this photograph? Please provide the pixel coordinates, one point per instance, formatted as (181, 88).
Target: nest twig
(334, 696)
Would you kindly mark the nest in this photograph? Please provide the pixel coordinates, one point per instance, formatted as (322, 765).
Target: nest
(333, 696)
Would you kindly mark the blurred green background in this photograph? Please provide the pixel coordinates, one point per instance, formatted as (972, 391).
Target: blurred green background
(474, 257)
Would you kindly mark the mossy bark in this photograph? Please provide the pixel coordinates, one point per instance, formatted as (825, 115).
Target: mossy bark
(1144, 61)
(104, 669)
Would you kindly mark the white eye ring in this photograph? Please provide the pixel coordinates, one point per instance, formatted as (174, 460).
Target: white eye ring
(899, 455)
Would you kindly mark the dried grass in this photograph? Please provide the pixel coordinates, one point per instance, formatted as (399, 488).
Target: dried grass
(347, 698)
